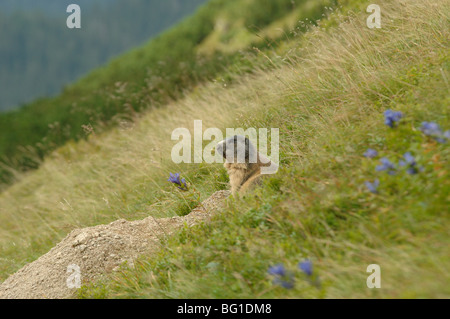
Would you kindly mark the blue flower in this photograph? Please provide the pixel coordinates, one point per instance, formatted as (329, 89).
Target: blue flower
(373, 187)
(288, 284)
(409, 158)
(410, 162)
(277, 270)
(386, 166)
(371, 153)
(447, 134)
(175, 179)
(282, 277)
(306, 266)
(433, 130)
(391, 117)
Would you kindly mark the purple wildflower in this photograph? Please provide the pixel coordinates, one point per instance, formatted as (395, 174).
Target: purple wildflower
(371, 153)
(433, 130)
(410, 162)
(306, 266)
(386, 166)
(277, 270)
(282, 277)
(373, 187)
(447, 134)
(409, 158)
(288, 284)
(391, 117)
(175, 179)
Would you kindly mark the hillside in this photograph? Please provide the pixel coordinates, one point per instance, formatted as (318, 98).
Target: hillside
(162, 70)
(39, 55)
(326, 87)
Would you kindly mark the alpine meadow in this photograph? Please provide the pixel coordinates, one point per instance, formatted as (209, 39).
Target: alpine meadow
(363, 178)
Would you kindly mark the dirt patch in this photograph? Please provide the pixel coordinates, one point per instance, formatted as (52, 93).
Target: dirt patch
(98, 250)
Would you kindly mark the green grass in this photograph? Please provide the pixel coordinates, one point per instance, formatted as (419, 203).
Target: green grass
(120, 171)
(317, 206)
(326, 91)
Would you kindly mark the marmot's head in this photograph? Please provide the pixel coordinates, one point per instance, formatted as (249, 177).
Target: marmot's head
(237, 149)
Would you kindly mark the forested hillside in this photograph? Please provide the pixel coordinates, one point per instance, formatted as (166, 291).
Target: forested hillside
(39, 55)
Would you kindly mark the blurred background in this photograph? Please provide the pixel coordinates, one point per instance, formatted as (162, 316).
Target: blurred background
(39, 55)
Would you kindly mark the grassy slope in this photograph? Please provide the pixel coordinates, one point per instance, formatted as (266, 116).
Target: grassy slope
(316, 207)
(326, 94)
(147, 77)
(107, 95)
(75, 187)
(87, 183)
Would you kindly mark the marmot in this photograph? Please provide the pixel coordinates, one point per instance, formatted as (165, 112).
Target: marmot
(243, 162)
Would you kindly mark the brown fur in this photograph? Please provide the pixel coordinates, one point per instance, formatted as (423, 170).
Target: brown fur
(244, 176)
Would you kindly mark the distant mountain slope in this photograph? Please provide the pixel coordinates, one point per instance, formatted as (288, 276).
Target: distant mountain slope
(39, 54)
